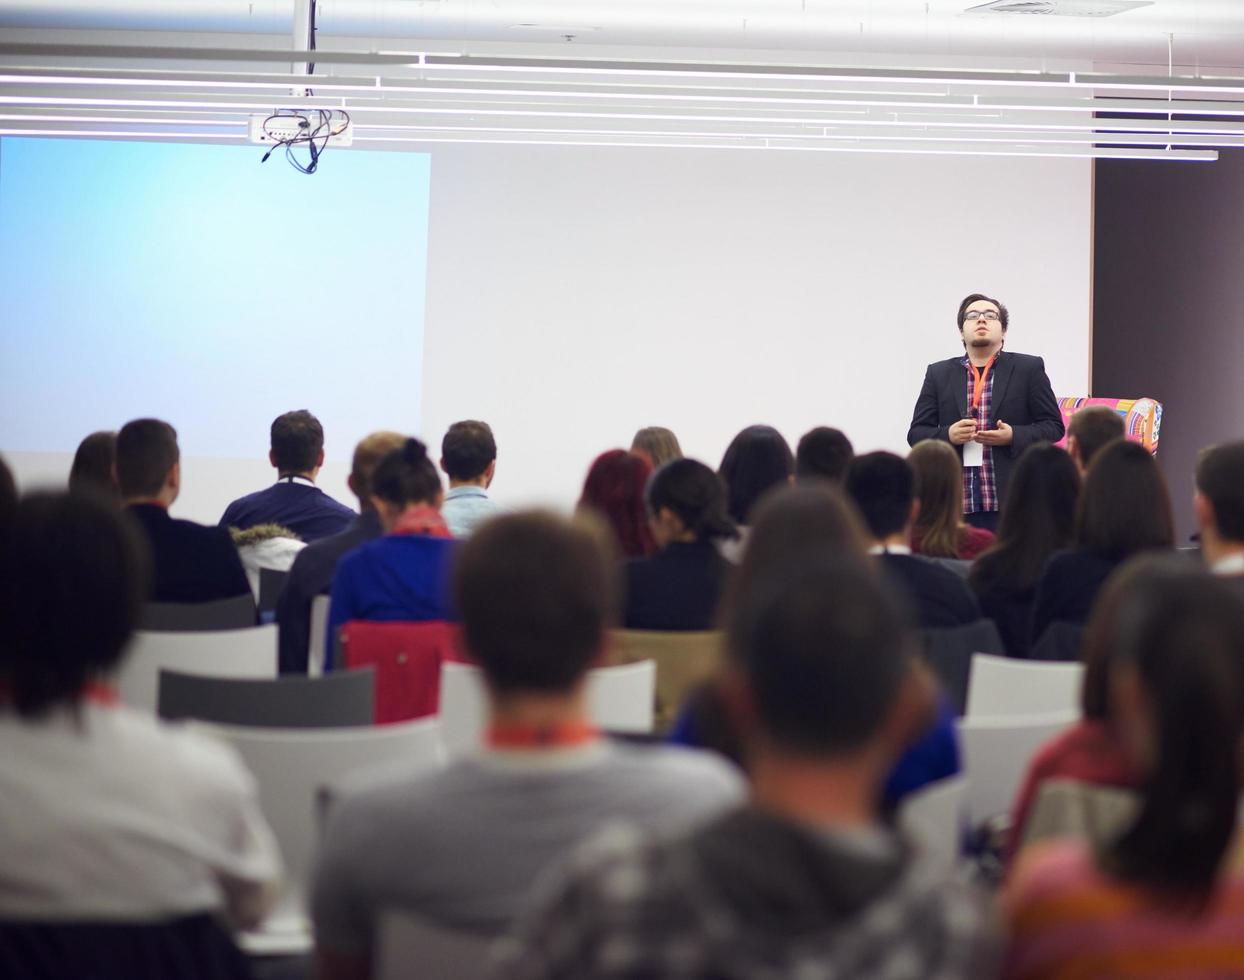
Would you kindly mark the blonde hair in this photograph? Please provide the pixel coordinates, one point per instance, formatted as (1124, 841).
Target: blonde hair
(367, 456)
(659, 444)
(939, 488)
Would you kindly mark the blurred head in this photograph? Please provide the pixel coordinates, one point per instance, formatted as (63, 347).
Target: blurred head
(148, 461)
(367, 456)
(297, 444)
(1219, 500)
(469, 453)
(883, 487)
(757, 459)
(8, 499)
(687, 501)
(1124, 507)
(658, 444)
(94, 465)
(939, 475)
(1091, 428)
(614, 489)
(403, 479)
(71, 585)
(536, 594)
(823, 453)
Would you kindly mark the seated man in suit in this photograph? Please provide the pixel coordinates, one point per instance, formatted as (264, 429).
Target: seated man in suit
(294, 501)
(192, 563)
(883, 487)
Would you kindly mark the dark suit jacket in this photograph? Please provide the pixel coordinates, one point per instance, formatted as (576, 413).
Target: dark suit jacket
(191, 562)
(307, 511)
(937, 596)
(678, 588)
(1022, 398)
(1068, 589)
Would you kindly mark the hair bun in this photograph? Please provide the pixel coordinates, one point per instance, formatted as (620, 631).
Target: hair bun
(414, 452)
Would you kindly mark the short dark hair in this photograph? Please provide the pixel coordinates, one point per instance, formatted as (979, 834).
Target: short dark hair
(467, 449)
(297, 441)
(1220, 479)
(146, 451)
(1094, 426)
(756, 459)
(1004, 317)
(823, 675)
(1124, 505)
(8, 501)
(93, 463)
(823, 453)
(695, 495)
(535, 593)
(883, 486)
(406, 476)
(71, 584)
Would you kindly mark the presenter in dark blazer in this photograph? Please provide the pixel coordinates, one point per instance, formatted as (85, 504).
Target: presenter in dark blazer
(989, 404)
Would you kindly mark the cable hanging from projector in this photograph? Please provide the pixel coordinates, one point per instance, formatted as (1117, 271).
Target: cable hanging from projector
(313, 135)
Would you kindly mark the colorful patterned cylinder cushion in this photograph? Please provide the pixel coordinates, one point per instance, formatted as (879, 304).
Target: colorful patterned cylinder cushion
(1142, 417)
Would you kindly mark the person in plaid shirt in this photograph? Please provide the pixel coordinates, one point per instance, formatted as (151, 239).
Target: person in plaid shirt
(988, 404)
(805, 881)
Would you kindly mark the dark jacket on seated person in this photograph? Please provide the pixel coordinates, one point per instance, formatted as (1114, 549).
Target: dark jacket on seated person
(292, 502)
(190, 562)
(1068, 589)
(937, 595)
(678, 588)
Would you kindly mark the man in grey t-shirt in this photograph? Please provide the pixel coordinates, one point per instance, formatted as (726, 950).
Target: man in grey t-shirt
(462, 846)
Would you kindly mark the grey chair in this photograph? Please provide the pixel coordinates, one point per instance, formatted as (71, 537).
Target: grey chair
(234, 613)
(1060, 641)
(948, 652)
(271, 582)
(343, 700)
(957, 565)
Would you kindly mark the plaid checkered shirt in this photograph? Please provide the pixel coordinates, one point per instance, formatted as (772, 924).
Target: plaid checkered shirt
(980, 490)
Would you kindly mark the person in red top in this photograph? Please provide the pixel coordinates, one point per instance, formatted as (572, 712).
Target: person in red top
(939, 530)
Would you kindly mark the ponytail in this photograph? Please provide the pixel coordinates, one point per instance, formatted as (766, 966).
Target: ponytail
(406, 476)
(695, 495)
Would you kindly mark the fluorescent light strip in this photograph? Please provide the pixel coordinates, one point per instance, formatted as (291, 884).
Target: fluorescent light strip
(112, 134)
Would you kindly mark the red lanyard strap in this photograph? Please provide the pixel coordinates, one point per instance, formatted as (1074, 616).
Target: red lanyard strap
(978, 382)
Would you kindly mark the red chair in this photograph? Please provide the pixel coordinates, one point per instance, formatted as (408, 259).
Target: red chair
(407, 659)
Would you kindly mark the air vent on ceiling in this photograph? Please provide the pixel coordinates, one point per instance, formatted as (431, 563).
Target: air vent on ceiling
(1060, 8)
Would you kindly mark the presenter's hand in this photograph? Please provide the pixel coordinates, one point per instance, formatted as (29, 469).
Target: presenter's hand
(1001, 436)
(962, 431)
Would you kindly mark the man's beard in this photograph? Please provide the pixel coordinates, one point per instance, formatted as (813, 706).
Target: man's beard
(980, 342)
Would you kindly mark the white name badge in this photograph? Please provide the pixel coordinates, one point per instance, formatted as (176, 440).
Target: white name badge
(973, 454)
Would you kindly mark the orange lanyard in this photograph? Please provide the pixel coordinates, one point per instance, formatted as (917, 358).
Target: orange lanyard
(531, 736)
(978, 384)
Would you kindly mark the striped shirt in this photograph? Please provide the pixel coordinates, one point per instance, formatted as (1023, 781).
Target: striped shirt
(1068, 919)
(980, 488)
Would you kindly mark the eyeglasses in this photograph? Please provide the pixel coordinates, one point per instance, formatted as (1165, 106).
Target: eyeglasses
(977, 315)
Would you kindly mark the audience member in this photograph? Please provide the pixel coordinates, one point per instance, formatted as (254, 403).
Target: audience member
(939, 530)
(756, 460)
(1123, 509)
(883, 487)
(614, 489)
(469, 459)
(1038, 519)
(404, 575)
(191, 563)
(1165, 898)
(294, 501)
(657, 444)
(266, 546)
(8, 500)
(806, 880)
(460, 846)
(94, 466)
(123, 839)
(1219, 506)
(680, 587)
(313, 568)
(823, 454)
(1091, 428)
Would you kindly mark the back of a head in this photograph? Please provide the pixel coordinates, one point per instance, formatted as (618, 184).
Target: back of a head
(1181, 637)
(467, 450)
(71, 584)
(614, 489)
(939, 475)
(406, 476)
(8, 498)
(756, 459)
(297, 441)
(823, 453)
(535, 593)
(1124, 505)
(146, 451)
(1220, 479)
(695, 495)
(93, 463)
(823, 674)
(882, 485)
(659, 444)
(368, 453)
(1094, 427)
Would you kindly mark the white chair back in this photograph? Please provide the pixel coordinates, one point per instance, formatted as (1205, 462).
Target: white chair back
(1001, 687)
(319, 629)
(619, 699)
(934, 819)
(248, 653)
(996, 753)
(409, 942)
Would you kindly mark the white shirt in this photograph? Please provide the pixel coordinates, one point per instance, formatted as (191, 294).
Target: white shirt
(889, 549)
(1230, 565)
(120, 817)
